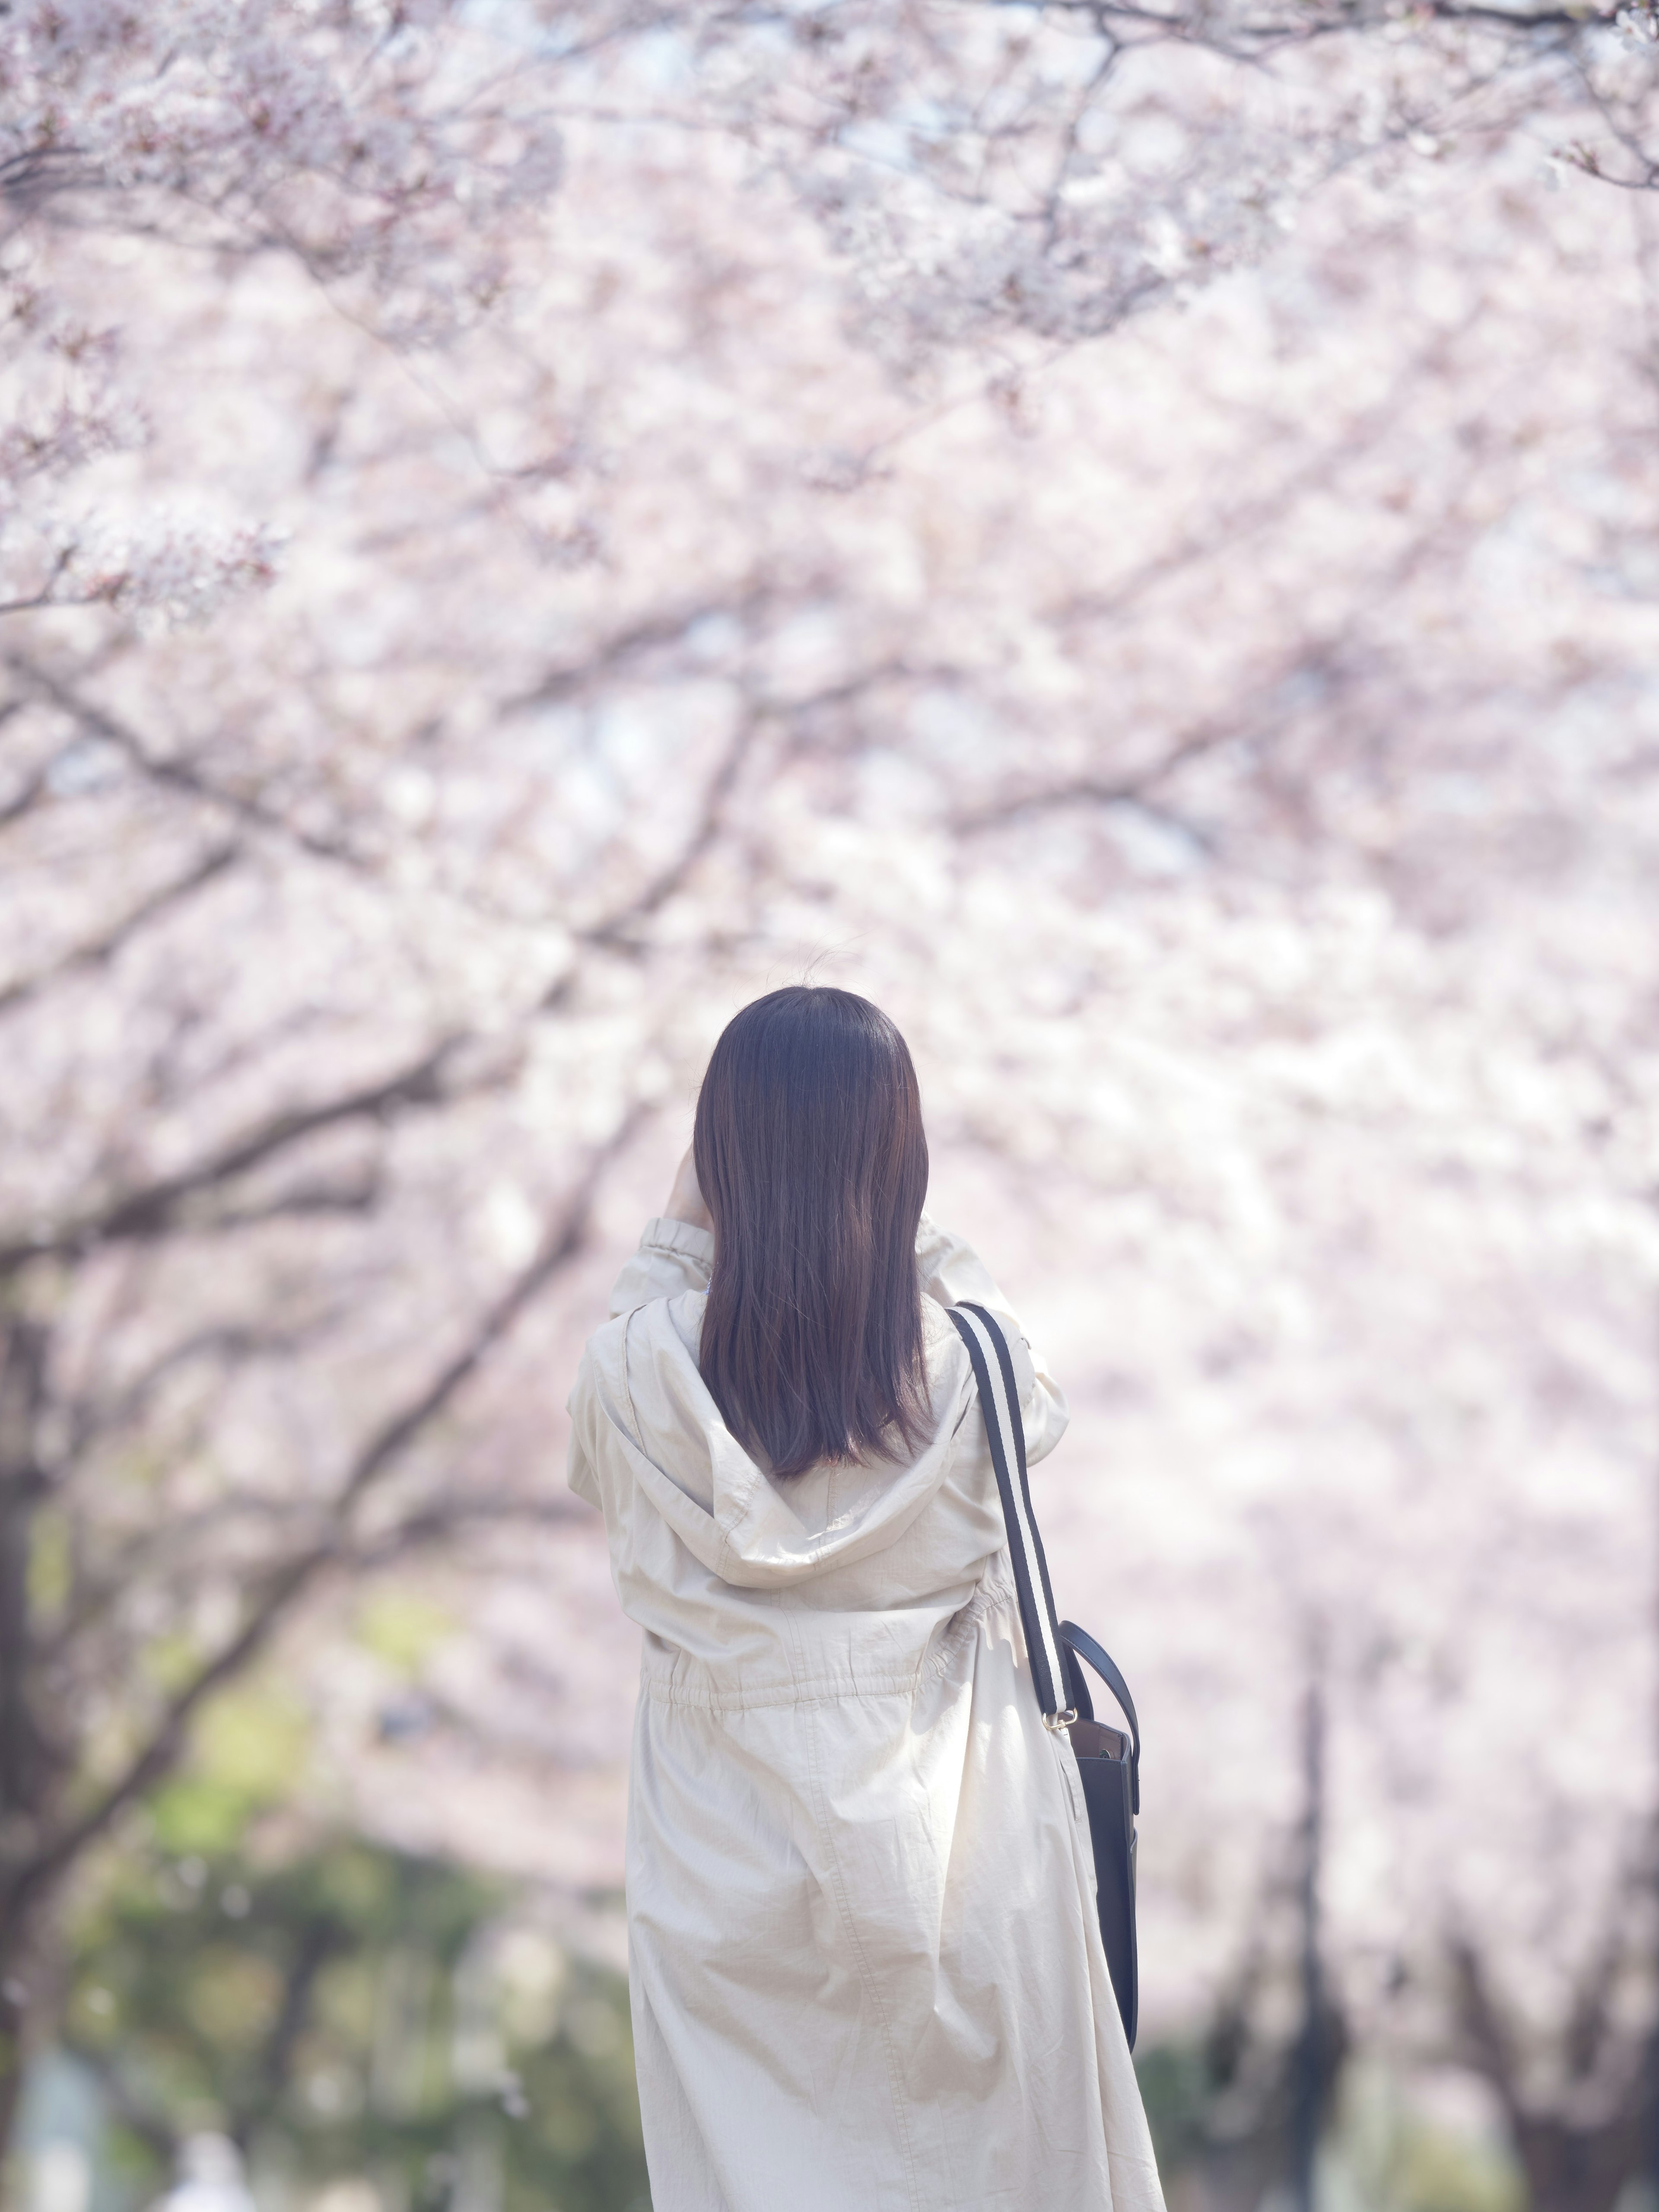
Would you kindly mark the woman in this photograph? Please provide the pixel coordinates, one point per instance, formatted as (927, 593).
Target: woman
(865, 1963)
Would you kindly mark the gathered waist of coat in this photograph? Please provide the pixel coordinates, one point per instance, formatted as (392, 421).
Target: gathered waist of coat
(803, 1669)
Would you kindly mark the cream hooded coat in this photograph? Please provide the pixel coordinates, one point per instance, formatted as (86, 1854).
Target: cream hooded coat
(865, 1970)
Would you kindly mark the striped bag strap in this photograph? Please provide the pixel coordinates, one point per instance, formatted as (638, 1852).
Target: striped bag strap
(999, 1399)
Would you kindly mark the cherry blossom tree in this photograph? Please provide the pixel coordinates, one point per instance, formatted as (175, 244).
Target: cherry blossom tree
(1142, 564)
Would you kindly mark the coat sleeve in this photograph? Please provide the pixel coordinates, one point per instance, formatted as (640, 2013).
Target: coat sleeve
(672, 1257)
(581, 1472)
(953, 1273)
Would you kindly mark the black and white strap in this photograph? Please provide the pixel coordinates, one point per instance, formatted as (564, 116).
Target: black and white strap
(993, 1371)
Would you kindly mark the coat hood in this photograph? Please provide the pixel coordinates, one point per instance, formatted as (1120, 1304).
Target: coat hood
(750, 1531)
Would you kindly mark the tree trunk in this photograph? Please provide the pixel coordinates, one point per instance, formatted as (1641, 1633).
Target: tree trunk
(1312, 2084)
(1236, 2179)
(1567, 2168)
(14, 2040)
(1577, 2169)
(26, 1767)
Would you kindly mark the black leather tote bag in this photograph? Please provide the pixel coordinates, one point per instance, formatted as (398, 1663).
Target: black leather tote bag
(1108, 1760)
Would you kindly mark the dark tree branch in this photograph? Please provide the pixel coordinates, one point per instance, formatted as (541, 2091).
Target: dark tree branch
(1258, 35)
(1135, 789)
(320, 1939)
(1578, 2157)
(613, 929)
(229, 1343)
(47, 594)
(1484, 2027)
(1254, 721)
(171, 773)
(309, 1200)
(25, 799)
(632, 644)
(291, 1579)
(442, 1518)
(148, 1212)
(96, 951)
(134, 2112)
(431, 1522)
(23, 1351)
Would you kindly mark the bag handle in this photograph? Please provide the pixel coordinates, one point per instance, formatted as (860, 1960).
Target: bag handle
(1079, 1641)
(998, 1398)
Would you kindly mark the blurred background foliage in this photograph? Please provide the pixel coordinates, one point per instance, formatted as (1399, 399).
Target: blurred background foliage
(375, 2028)
(345, 2011)
(1128, 536)
(340, 2009)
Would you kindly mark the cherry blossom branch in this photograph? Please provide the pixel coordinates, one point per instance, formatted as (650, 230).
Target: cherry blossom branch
(171, 773)
(47, 594)
(1256, 35)
(439, 1519)
(97, 952)
(147, 1212)
(613, 930)
(283, 1584)
(754, 717)
(625, 648)
(1135, 788)
(22, 1394)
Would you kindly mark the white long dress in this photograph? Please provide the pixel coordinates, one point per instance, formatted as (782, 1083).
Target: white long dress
(866, 1973)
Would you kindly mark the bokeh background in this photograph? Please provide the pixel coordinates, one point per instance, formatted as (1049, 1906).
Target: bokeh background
(1126, 535)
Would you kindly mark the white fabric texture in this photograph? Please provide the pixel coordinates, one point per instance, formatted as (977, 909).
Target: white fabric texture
(865, 1970)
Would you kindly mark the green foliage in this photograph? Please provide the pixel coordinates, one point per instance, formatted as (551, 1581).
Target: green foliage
(1177, 2088)
(1380, 2152)
(1438, 2172)
(354, 2012)
(247, 1751)
(51, 1565)
(402, 1628)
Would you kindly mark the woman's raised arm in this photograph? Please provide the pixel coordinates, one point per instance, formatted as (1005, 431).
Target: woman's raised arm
(953, 1273)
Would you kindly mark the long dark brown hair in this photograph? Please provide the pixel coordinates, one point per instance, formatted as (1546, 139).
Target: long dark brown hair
(813, 1165)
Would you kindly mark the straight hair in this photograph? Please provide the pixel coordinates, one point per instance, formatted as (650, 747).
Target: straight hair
(813, 1165)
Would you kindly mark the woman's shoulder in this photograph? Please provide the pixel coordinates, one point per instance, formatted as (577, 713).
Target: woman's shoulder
(671, 1320)
(940, 1333)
